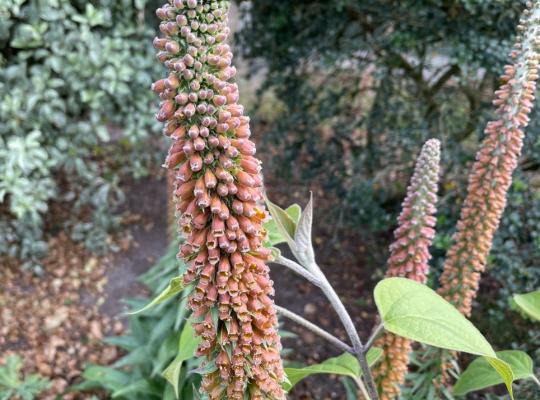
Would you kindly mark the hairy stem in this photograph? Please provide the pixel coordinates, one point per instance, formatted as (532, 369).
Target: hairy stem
(374, 336)
(349, 326)
(297, 268)
(315, 329)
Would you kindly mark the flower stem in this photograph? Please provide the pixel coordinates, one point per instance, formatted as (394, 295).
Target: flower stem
(314, 328)
(314, 274)
(346, 320)
(374, 336)
(300, 270)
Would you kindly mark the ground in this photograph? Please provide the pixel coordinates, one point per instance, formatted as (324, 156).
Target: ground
(56, 321)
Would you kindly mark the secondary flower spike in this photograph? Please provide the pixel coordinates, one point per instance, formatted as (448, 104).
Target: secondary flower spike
(491, 175)
(218, 203)
(409, 258)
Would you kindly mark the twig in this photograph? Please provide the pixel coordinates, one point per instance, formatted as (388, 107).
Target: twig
(294, 266)
(314, 274)
(350, 328)
(373, 337)
(315, 329)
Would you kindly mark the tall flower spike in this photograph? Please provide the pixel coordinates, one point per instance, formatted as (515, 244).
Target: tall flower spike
(491, 175)
(218, 203)
(409, 257)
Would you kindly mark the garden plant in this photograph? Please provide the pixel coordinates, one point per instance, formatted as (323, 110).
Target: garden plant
(409, 125)
(231, 229)
(75, 119)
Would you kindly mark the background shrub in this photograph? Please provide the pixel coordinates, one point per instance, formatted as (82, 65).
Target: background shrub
(362, 84)
(75, 114)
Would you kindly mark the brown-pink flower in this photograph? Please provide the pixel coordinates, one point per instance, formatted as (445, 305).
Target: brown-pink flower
(409, 257)
(491, 175)
(218, 194)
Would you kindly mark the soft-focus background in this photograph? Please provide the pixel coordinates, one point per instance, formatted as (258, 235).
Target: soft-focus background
(342, 93)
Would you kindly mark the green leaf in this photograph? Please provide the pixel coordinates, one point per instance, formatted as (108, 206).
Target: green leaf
(302, 237)
(480, 374)
(505, 372)
(176, 285)
(141, 386)
(415, 311)
(282, 227)
(26, 36)
(109, 378)
(186, 349)
(295, 212)
(529, 303)
(345, 365)
(351, 391)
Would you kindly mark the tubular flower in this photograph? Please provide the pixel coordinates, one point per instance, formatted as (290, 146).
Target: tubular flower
(409, 257)
(218, 197)
(491, 175)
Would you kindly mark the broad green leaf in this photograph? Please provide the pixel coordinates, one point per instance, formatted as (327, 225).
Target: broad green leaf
(345, 365)
(186, 349)
(176, 285)
(281, 228)
(529, 303)
(415, 311)
(480, 374)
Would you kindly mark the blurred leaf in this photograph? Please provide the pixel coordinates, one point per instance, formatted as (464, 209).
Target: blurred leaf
(141, 386)
(26, 37)
(186, 350)
(529, 303)
(106, 376)
(14, 385)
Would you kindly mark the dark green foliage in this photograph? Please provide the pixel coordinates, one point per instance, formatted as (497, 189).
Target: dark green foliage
(75, 113)
(151, 343)
(362, 84)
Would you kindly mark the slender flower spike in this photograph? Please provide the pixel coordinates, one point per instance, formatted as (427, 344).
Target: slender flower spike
(409, 257)
(218, 203)
(491, 175)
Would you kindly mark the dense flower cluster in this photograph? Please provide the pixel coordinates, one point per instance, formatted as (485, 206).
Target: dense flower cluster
(409, 257)
(218, 194)
(491, 175)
